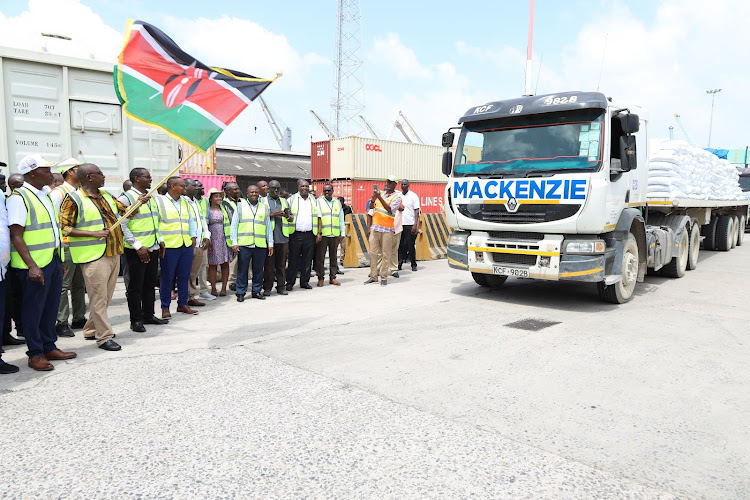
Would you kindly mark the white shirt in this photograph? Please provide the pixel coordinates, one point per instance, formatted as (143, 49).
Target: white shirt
(59, 193)
(304, 217)
(411, 203)
(17, 211)
(201, 229)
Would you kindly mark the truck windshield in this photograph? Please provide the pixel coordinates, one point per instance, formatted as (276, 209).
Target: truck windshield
(542, 143)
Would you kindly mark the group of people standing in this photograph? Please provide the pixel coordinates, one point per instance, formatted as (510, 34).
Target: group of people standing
(70, 240)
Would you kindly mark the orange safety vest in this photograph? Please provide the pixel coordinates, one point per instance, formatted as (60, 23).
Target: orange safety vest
(380, 216)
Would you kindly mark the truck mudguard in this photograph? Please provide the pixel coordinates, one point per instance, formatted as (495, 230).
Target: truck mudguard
(631, 221)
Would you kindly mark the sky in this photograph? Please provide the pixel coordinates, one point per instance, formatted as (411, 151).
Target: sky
(433, 60)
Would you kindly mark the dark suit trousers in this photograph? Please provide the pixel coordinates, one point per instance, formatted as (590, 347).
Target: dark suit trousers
(330, 243)
(275, 267)
(301, 248)
(39, 307)
(406, 246)
(142, 284)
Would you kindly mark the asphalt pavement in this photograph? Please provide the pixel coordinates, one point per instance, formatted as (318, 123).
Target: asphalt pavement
(429, 387)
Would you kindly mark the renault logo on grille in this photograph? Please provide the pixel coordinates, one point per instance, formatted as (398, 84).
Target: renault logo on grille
(512, 205)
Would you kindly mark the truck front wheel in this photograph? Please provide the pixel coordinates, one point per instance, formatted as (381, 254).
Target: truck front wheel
(489, 280)
(620, 292)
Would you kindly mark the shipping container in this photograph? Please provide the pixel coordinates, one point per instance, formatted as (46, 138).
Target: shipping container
(357, 192)
(199, 163)
(210, 181)
(61, 107)
(320, 160)
(365, 158)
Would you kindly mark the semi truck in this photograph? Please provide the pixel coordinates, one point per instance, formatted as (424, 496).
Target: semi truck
(554, 187)
(62, 107)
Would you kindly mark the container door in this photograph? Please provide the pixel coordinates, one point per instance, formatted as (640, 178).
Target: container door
(34, 110)
(96, 137)
(151, 148)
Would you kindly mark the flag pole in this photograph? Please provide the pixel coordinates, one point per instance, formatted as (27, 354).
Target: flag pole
(135, 206)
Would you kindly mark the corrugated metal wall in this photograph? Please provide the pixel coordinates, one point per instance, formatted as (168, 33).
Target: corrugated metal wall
(364, 158)
(357, 192)
(209, 181)
(199, 163)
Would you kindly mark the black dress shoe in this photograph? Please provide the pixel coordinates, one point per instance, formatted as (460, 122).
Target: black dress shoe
(6, 368)
(233, 287)
(110, 345)
(258, 296)
(63, 330)
(77, 324)
(241, 298)
(94, 338)
(153, 320)
(413, 268)
(282, 291)
(137, 327)
(289, 288)
(339, 271)
(11, 340)
(266, 293)
(306, 286)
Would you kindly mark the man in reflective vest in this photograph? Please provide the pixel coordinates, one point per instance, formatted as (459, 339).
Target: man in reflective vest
(35, 254)
(178, 233)
(73, 276)
(231, 198)
(202, 242)
(143, 247)
(302, 239)
(330, 235)
(252, 239)
(86, 217)
(282, 223)
(380, 228)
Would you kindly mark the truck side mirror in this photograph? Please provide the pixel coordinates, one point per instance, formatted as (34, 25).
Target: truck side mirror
(629, 123)
(627, 153)
(447, 162)
(448, 138)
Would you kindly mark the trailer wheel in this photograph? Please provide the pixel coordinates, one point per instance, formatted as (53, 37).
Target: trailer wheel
(741, 230)
(709, 231)
(620, 292)
(695, 247)
(724, 233)
(677, 266)
(735, 230)
(489, 280)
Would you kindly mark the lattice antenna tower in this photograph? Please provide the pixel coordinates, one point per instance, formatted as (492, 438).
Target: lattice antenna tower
(348, 100)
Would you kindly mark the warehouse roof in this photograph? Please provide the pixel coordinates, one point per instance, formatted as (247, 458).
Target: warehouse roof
(232, 160)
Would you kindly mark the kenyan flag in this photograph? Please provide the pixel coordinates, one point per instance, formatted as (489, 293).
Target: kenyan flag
(159, 84)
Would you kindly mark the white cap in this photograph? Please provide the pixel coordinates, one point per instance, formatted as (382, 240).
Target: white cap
(32, 162)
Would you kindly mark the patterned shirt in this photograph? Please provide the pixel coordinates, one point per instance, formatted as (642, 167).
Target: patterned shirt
(395, 203)
(69, 216)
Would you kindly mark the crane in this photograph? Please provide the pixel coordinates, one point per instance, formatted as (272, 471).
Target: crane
(277, 125)
(326, 128)
(398, 123)
(369, 128)
(682, 127)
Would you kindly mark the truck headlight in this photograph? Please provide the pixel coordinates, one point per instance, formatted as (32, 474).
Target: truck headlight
(458, 239)
(585, 246)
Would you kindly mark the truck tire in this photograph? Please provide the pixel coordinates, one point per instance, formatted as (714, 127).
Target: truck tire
(735, 230)
(724, 233)
(741, 230)
(677, 266)
(620, 292)
(709, 231)
(695, 247)
(489, 280)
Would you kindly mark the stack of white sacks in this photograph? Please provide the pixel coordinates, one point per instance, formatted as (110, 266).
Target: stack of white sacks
(678, 170)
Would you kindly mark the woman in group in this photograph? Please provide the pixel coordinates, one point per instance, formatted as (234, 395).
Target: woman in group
(218, 252)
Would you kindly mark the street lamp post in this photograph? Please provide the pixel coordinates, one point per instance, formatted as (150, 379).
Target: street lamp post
(711, 121)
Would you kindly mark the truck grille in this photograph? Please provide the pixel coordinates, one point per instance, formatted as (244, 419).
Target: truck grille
(516, 236)
(527, 214)
(509, 258)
